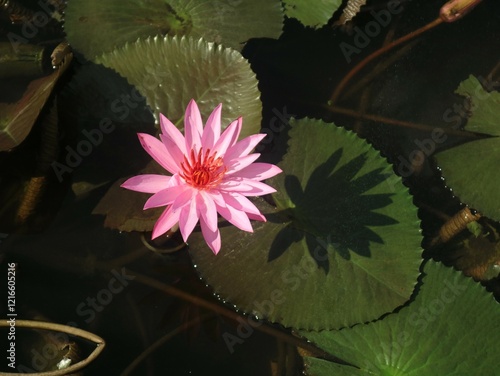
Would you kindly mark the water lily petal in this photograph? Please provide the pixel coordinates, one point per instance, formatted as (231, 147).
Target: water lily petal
(240, 202)
(243, 147)
(188, 218)
(236, 217)
(157, 150)
(170, 130)
(208, 183)
(167, 220)
(211, 133)
(228, 137)
(148, 183)
(193, 127)
(238, 164)
(177, 156)
(211, 237)
(208, 210)
(216, 196)
(183, 198)
(257, 217)
(247, 187)
(165, 197)
(259, 171)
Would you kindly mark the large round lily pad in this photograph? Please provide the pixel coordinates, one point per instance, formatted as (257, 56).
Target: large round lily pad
(452, 328)
(170, 72)
(95, 27)
(342, 246)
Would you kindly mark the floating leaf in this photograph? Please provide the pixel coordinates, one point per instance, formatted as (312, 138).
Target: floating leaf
(452, 328)
(170, 72)
(311, 13)
(95, 27)
(470, 169)
(18, 118)
(342, 246)
(132, 216)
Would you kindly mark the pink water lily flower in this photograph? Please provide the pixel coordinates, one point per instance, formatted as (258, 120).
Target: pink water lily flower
(211, 173)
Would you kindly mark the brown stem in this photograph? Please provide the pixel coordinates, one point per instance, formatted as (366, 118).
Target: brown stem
(400, 123)
(264, 328)
(455, 225)
(379, 52)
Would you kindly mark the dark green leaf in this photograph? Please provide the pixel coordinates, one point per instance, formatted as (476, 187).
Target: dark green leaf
(342, 247)
(95, 27)
(470, 169)
(452, 328)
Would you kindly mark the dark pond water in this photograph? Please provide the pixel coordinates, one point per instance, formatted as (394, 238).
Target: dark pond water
(155, 314)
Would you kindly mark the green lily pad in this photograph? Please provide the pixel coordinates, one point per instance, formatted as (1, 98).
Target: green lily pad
(470, 169)
(94, 27)
(170, 72)
(314, 13)
(452, 328)
(342, 246)
(130, 217)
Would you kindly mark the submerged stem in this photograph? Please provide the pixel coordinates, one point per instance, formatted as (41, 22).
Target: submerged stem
(378, 53)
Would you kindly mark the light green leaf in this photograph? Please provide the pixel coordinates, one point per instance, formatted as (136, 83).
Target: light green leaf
(485, 107)
(470, 169)
(452, 328)
(313, 13)
(94, 27)
(170, 72)
(342, 247)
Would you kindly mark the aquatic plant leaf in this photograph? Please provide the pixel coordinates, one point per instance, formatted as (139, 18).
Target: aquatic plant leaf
(342, 246)
(311, 13)
(451, 328)
(96, 27)
(170, 72)
(129, 217)
(18, 118)
(470, 169)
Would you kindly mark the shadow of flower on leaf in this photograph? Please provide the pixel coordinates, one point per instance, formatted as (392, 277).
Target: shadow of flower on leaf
(333, 210)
